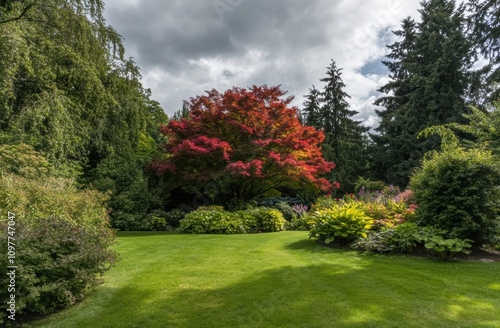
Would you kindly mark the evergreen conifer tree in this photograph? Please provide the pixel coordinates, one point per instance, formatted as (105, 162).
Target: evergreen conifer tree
(345, 143)
(430, 79)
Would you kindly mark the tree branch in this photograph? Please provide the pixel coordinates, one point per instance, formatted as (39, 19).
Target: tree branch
(25, 10)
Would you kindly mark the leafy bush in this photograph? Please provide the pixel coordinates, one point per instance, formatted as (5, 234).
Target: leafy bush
(324, 203)
(390, 213)
(378, 242)
(299, 223)
(300, 220)
(214, 219)
(405, 237)
(206, 220)
(342, 223)
(158, 223)
(63, 240)
(286, 210)
(399, 239)
(446, 248)
(174, 217)
(459, 191)
(134, 194)
(23, 160)
(268, 219)
(368, 185)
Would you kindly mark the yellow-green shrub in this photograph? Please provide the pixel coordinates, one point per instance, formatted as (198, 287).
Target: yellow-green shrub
(343, 223)
(208, 220)
(214, 219)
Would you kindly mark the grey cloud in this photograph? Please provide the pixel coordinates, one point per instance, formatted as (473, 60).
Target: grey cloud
(186, 47)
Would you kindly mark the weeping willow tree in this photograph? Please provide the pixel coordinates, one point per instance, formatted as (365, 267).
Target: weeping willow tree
(66, 87)
(67, 91)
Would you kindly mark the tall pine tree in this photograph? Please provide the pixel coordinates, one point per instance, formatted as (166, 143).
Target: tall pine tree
(485, 26)
(391, 139)
(311, 112)
(344, 143)
(430, 75)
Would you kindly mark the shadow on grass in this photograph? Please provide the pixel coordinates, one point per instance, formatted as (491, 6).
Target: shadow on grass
(324, 295)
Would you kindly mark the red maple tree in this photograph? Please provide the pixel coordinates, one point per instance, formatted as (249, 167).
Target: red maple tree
(248, 141)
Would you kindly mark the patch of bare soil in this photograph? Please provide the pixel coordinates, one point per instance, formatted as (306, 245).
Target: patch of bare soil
(480, 254)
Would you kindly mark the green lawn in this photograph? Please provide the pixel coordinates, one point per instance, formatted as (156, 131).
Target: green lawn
(280, 280)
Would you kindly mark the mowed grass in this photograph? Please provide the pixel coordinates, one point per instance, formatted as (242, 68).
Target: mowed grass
(280, 280)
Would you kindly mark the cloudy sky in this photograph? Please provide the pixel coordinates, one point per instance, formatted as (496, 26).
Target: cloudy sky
(185, 47)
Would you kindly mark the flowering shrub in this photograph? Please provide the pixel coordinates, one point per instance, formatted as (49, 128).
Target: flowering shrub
(300, 209)
(406, 196)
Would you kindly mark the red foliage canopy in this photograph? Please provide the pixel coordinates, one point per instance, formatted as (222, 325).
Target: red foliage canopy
(248, 137)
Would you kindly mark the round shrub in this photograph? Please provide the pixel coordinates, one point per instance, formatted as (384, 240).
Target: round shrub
(458, 191)
(212, 220)
(286, 210)
(268, 219)
(343, 223)
(62, 239)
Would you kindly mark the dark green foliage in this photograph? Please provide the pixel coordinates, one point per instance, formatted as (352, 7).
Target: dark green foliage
(174, 217)
(58, 262)
(311, 112)
(459, 191)
(62, 239)
(369, 185)
(286, 210)
(345, 142)
(182, 113)
(274, 201)
(430, 71)
(485, 25)
(134, 192)
(484, 127)
(158, 222)
(299, 223)
(68, 92)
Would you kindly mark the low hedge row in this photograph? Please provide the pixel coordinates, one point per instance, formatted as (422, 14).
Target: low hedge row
(215, 220)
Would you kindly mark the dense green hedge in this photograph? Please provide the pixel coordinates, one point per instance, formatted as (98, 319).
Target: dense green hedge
(62, 241)
(214, 219)
(459, 191)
